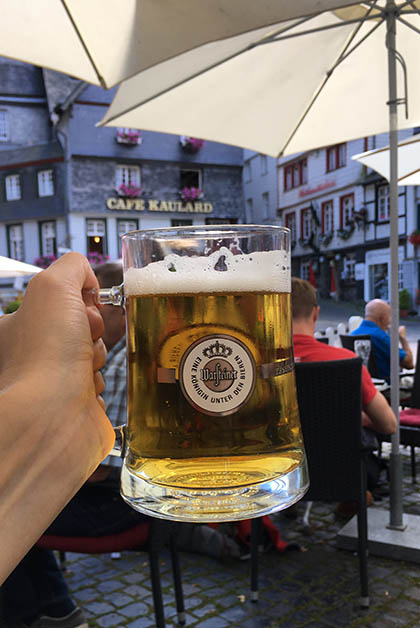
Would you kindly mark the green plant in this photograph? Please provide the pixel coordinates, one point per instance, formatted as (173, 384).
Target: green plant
(405, 299)
(11, 307)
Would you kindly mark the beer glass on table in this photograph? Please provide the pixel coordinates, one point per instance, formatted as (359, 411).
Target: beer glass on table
(213, 431)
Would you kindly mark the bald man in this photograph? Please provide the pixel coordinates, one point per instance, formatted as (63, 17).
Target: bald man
(376, 324)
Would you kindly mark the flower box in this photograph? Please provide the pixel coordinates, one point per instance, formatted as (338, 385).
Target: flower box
(191, 194)
(45, 260)
(191, 144)
(131, 137)
(95, 258)
(129, 191)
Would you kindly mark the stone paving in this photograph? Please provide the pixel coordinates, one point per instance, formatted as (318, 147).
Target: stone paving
(315, 586)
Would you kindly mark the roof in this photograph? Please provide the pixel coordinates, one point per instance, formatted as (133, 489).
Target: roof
(31, 154)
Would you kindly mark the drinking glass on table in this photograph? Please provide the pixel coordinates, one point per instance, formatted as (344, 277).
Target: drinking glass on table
(213, 431)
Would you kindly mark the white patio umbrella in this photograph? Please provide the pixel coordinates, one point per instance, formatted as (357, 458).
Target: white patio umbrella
(13, 268)
(408, 161)
(301, 84)
(106, 41)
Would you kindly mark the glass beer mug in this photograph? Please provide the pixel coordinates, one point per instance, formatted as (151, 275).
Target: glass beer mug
(213, 431)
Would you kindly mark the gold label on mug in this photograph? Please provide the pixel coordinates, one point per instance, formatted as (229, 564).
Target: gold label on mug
(217, 374)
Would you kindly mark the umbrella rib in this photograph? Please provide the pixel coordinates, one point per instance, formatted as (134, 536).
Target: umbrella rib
(343, 55)
(414, 28)
(89, 56)
(408, 174)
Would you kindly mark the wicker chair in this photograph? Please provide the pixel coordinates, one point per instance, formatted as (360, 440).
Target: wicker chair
(351, 343)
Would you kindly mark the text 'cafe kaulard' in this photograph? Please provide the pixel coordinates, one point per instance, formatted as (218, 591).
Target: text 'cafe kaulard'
(152, 205)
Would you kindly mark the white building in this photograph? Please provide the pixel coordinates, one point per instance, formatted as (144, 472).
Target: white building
(338, 213)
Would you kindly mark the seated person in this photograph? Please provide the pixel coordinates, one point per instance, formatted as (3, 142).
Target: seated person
(376, 324)
(377, 414)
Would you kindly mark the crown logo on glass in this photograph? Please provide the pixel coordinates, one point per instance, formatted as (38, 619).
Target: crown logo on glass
(217, 350)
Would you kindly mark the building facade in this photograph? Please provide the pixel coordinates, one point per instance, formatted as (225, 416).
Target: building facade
(66, 184)
(338, 213)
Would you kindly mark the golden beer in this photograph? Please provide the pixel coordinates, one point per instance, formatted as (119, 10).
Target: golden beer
(213, 431)
(174, 442)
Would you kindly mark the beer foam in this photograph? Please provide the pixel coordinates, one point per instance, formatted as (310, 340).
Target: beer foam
(222, 271)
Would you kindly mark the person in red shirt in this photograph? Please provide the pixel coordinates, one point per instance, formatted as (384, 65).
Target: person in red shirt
(377, 413)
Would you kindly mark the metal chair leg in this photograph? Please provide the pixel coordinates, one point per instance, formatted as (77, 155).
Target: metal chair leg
(176, 570)
(256, 527)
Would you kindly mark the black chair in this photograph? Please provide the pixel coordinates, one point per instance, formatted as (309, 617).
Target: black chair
(151, 535)
(323, 339)
(329, 398)
(361, 345)
(409, 434)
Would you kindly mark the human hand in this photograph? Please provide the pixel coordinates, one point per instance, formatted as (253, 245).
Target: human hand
(402, 332)
(52, 344)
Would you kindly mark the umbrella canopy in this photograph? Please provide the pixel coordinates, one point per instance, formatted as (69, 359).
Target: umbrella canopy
(13, 268)
(106, 41)
(280, 89)
(300, 84)
(408, 161)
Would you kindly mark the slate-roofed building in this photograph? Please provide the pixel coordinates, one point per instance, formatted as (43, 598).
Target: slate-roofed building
(67, 184)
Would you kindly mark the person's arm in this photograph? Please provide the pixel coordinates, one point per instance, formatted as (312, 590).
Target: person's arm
(54, 431)
(407, 362)
(380, 416)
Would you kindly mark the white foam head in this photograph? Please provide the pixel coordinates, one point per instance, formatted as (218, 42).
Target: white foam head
(264, 271)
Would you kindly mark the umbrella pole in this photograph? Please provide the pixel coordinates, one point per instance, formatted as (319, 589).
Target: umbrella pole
(396, 511)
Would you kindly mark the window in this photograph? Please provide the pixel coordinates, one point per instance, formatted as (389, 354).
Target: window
(127, 175)
(296, 174)
(349, 264)
(383, 203)
(290, 222)
(48, 238)
(45, 183)
(181, 222)
(122, 227)
(346, 210)
(13, 191)
(189, 179)
(247, 171)
(304, 271)
(327, 217)
(336, 157)
(96, 234)
(4, 126)
(305, 223)
(263, 164)
(15, 242)
(266, 204)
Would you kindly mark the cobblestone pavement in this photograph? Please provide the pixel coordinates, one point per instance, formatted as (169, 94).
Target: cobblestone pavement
(316, 586)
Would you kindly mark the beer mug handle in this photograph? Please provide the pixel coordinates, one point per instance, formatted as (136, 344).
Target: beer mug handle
(120, 442)
(114, 295)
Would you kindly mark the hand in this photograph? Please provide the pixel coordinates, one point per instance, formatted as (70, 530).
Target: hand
(402, 332)
(54, 428)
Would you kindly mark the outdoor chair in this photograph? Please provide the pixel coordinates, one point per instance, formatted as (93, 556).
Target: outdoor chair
(409, 419)
(361, 345)
(147, 535)
(329, 398)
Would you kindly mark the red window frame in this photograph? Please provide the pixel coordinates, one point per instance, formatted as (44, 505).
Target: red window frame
(296, 173)
(288, 219)
(342, 200)
(302, 215)
(324, 205)
(336, 157)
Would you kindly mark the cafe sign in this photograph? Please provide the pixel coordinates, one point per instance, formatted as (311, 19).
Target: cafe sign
(151, 205)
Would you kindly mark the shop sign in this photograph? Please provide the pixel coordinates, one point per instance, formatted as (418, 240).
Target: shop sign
(151, 205)
(319, 188)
